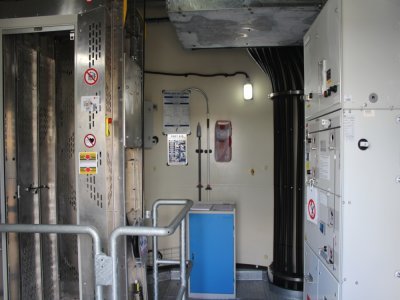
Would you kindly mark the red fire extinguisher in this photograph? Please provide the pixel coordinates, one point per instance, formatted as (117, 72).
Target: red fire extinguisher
(223, 141)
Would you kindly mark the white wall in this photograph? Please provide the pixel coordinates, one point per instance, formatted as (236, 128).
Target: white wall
(252, 139)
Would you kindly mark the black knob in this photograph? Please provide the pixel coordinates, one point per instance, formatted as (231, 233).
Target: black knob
(363, 144)
(333, 88)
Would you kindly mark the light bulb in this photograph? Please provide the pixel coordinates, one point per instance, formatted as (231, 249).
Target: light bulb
(248, 91)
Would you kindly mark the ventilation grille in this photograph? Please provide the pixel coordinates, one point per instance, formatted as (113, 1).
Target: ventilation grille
(28, 274)
(94, 43)
(93, 193)
(71, 146)
(68, 271)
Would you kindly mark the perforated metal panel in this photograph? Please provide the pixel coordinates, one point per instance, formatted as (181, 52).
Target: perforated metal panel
(47, 166)
(27, 166)
(33, 132)
(94, 199)
(10, 149)
(94, 191)
(66, 186)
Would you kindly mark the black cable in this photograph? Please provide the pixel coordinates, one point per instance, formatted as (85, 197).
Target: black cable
(284, 66)
(197, 74)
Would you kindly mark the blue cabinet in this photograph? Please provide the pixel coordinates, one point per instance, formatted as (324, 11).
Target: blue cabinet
(212, 250)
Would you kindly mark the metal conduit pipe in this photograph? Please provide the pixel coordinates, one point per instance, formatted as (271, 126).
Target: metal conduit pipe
(155, 232)
(60, 229)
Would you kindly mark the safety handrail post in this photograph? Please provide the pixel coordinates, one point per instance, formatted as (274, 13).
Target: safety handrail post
(183, 258)
(149, 231)
(60, 229)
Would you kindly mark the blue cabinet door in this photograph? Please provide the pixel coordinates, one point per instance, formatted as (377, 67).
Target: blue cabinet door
(211, 243)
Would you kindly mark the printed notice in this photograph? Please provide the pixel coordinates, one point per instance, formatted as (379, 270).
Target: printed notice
(324, 164)
(176, 112)
(177, 150)
(87, 163)
(348, 126)
(90, 103)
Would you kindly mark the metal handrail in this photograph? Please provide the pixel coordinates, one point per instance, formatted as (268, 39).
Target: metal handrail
(182, 243)
(60, 229)
(155, 232)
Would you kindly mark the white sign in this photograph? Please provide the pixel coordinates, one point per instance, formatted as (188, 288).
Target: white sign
(348, 126)
(177, 150)
(176, 112)
(324, 170)
(90, 103)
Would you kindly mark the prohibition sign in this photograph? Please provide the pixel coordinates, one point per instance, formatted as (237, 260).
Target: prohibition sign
(89, 140)
(91, 76)
(312, 209)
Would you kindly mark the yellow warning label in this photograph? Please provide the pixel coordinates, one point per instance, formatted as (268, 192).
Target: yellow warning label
(87, 163)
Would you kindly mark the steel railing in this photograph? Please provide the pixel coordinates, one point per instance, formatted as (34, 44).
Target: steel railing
(155, 231)
(60, 229)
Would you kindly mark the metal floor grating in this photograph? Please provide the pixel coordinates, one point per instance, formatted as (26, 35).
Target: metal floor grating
(250, 285)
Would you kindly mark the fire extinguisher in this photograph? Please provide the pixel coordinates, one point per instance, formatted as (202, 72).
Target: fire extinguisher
(223, 141)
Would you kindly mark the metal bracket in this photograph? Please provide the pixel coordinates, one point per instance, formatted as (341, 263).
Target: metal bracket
(103, 269)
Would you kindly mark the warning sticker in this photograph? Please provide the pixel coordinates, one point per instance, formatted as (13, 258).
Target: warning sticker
(91, 76)
(348, 126)
(87, 163)
(324, 167)
(89, 140)
(90, 103)
(312, 205)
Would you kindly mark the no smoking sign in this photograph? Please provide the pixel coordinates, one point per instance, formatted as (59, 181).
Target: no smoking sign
(89, 140)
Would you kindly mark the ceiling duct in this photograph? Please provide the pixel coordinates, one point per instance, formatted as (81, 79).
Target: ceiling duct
(242, 23)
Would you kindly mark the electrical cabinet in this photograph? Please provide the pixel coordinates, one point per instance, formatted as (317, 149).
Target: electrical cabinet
(212, 251)
(352, 157)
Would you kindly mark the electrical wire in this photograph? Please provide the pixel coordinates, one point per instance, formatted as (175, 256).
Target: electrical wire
(284, 67)
(197, 74)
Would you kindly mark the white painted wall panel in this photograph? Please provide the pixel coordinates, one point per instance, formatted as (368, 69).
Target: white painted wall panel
(252, 139)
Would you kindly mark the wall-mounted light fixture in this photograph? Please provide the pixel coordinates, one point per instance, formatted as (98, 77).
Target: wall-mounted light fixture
(248, 90)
